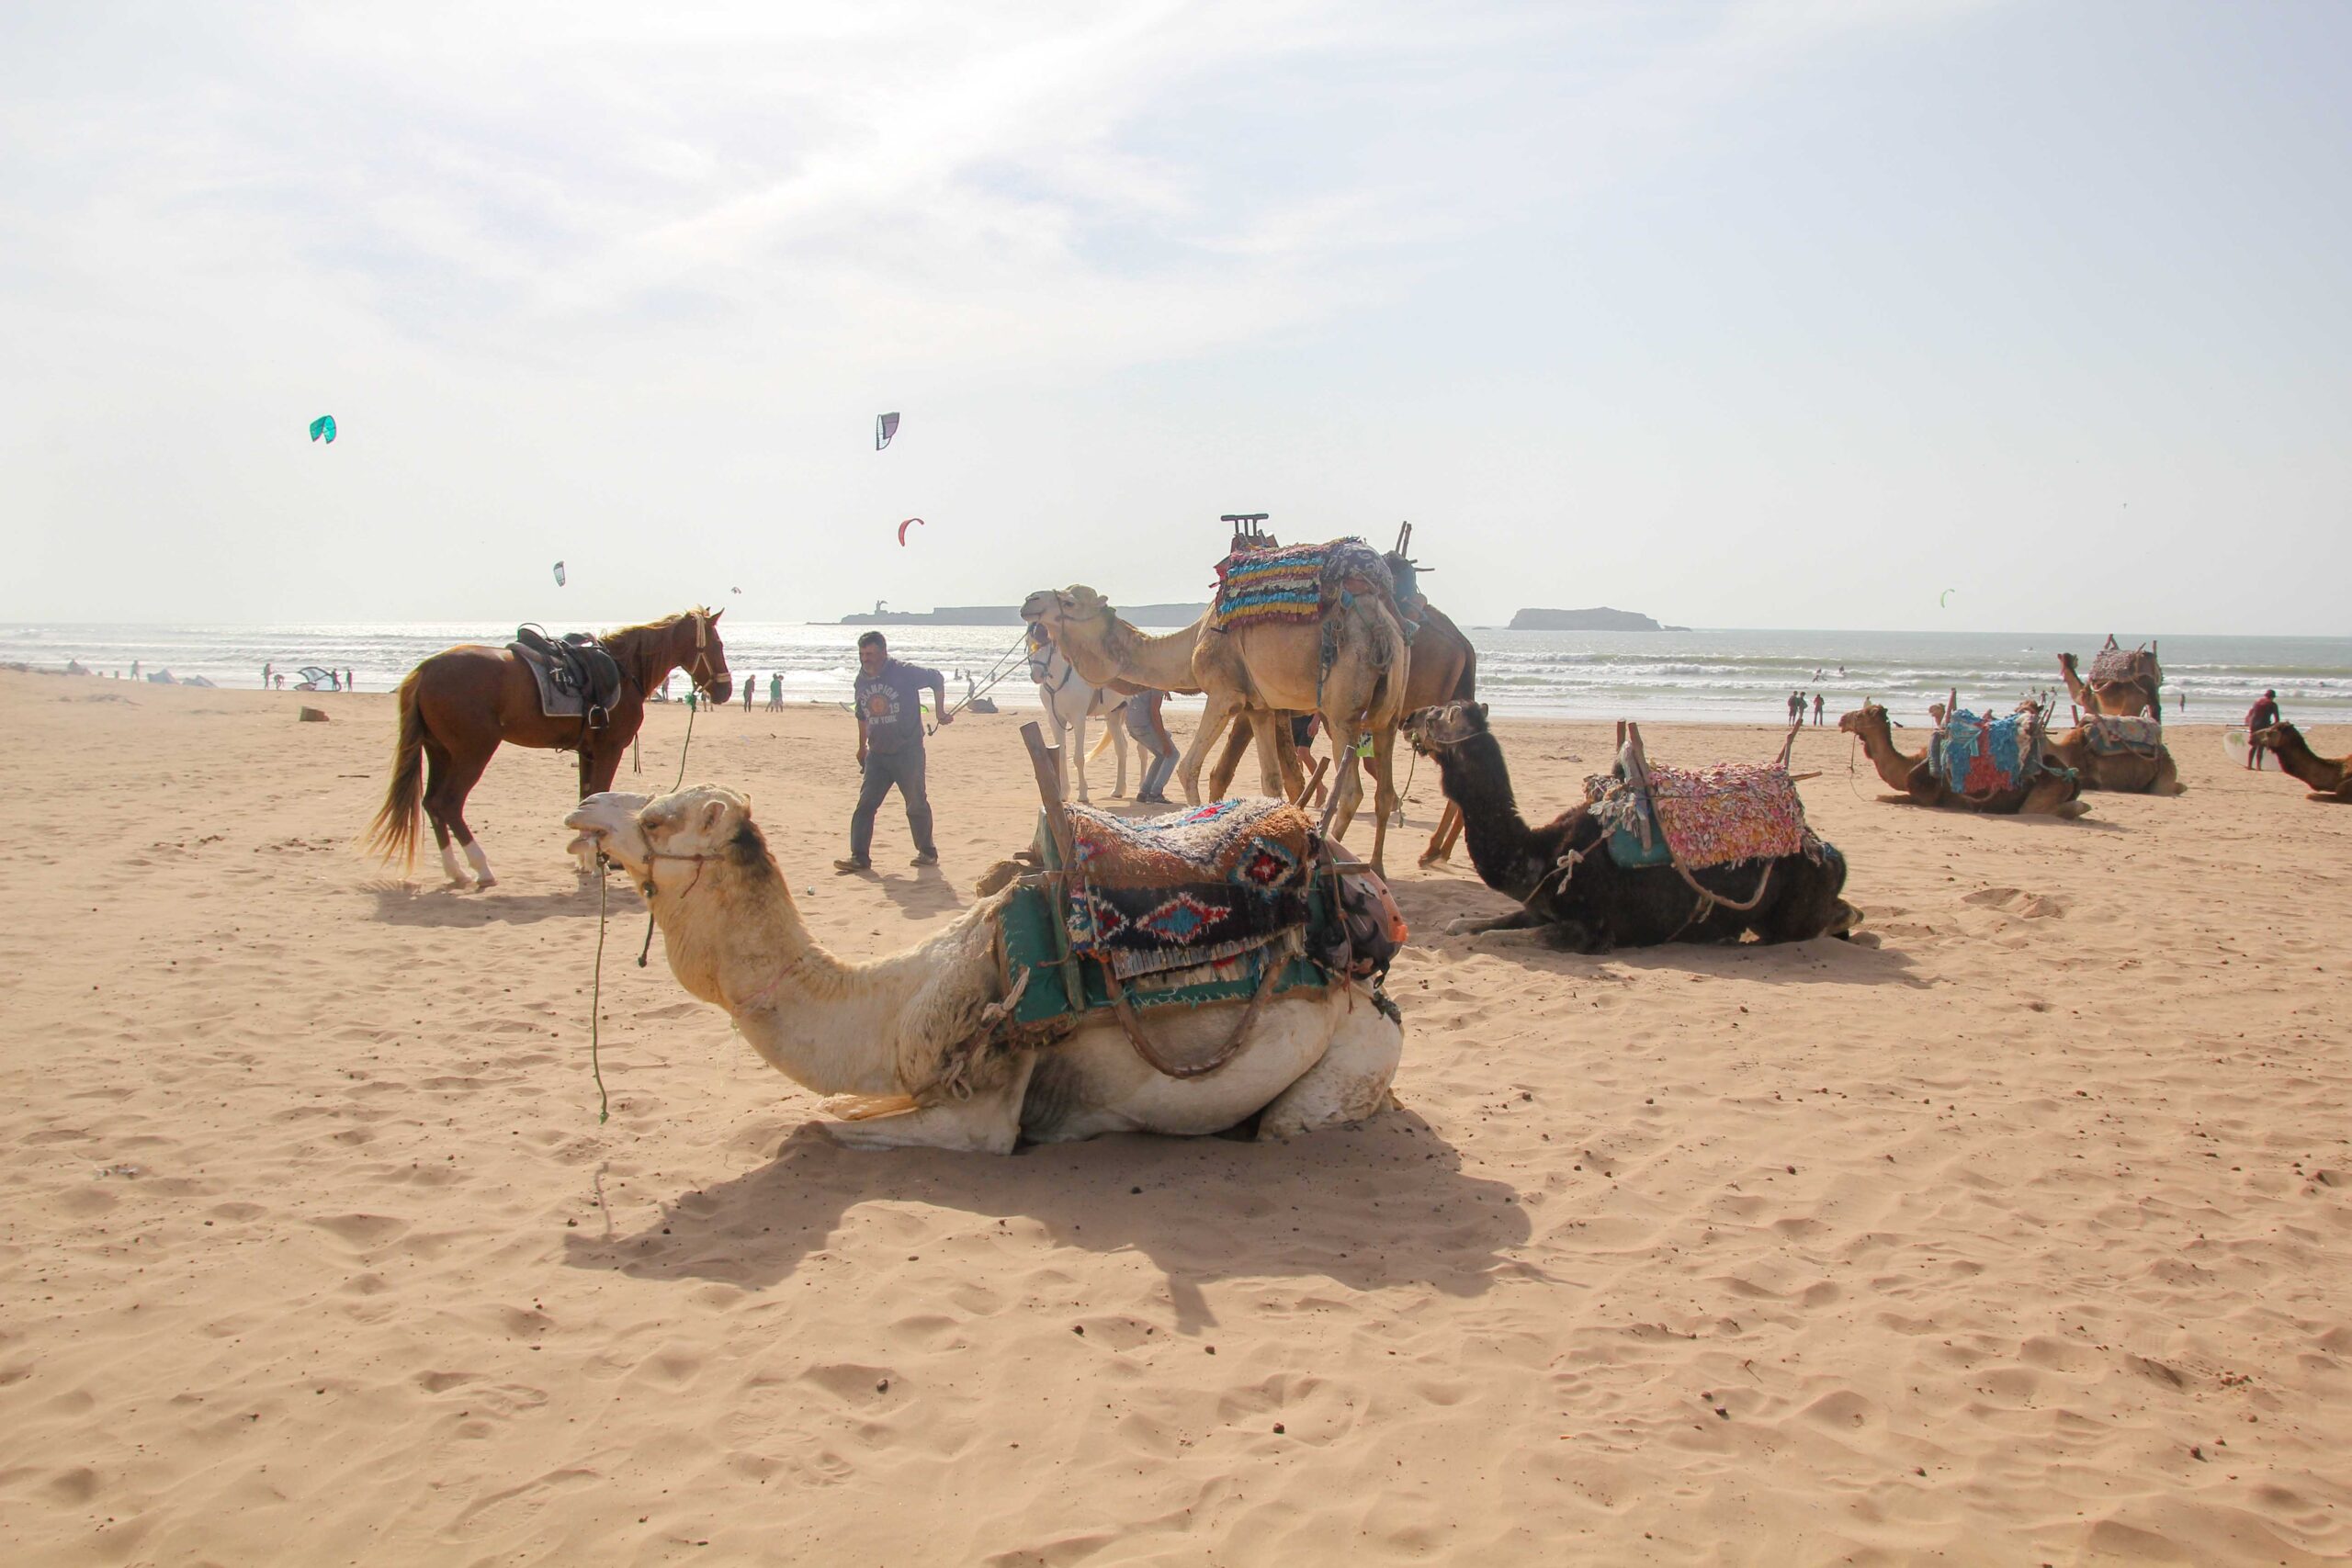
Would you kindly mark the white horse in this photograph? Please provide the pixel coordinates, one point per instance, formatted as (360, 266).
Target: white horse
(1069, 702)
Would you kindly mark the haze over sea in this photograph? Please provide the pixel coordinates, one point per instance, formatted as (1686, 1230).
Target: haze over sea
(1718, 675)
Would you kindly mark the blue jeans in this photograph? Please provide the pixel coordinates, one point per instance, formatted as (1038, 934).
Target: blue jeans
(903, 768)
(1156, 773)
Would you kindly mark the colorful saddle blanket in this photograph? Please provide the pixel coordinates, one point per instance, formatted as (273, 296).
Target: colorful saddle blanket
(2111, 736)
(1978, 754)
(1702, 818)
(1186, 888)
(1291, 584)
(2114, 665)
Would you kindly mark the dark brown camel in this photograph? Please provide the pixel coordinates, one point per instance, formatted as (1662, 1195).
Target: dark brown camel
(2326, 780)
(458, 705)
(1574, 893)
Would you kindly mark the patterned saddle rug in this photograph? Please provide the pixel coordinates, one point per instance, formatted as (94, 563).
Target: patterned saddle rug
(1978, 754)
(1702, 818)
(2111, 736)
(1296, 583)
(1189, 888)
(2117, 665)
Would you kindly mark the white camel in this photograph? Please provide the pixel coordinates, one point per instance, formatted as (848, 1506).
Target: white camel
(1070, 699)
(891, 1036)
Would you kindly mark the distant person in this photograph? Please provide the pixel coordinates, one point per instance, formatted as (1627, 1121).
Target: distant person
(890, 748)
(2260, 716)
(1796, 706)
(281, 682)
(775, 690)
(1150, 730)
(1841, 671)
(2180, 698)
(1816, 708)
(134, 669)
(750, 686)
(267, 670)
(350, 683)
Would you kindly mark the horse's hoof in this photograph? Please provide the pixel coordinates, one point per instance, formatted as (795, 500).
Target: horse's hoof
(485, 883)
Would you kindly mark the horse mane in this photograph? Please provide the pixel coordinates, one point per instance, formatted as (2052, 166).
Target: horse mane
(662, 623)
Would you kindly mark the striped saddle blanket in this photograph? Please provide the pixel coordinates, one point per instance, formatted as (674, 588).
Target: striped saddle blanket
(1189, 888)
(1702, 818)
(1978, 754)
(1291, 584)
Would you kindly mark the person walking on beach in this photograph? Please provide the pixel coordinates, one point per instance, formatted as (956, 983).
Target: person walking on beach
(1796, 706)
(775, 690)
(890, 748)
(1144, 722)
(2260, 716)
(1817, 708)
(749, 687)
(350, 683)
(267, 670)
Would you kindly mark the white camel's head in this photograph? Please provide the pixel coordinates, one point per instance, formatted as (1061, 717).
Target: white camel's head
(703, 821)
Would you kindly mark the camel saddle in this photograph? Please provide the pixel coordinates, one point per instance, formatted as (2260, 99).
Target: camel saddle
(2111, 736)
(1208, 905)
(577, 677)
(1979, 755)
(1702, 818)
(1299, 582)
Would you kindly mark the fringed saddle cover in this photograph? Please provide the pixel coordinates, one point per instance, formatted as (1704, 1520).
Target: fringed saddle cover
(1729, 813)
(1291, 584)
(1978, 754)
(2111, 736)
(1187, 887)
(2120, 666)
(1026, 945)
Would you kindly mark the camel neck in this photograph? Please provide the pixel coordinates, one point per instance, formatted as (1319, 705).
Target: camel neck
(2298, 760)
(1878, 744)
(1164, 660)
(1474, 777)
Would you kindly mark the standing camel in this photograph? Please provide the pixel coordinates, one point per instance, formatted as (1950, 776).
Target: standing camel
(458, 705)
(2326, 780)
(2052, 795)
(1259, 669)
(1444, 669)
(1070, 700)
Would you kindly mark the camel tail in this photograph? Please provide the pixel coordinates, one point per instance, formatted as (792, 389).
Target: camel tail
(393, 833)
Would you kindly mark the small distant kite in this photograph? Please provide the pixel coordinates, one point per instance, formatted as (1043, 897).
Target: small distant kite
(910, 523)
(885, 425)
(323, 429)
(559, 574)
(734, 591)
(1943, 600)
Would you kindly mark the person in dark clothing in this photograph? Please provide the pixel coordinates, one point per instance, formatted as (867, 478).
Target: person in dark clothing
(2260, 716)
(1816, 708)
(1150, 731)
(890, 748)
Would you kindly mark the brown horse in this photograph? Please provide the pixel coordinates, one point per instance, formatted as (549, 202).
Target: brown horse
(458, 705)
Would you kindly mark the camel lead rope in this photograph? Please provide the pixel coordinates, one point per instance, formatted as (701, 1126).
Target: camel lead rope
(596, 1000)
(689, 745)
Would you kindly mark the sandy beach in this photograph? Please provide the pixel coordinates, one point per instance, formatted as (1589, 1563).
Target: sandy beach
(2017, 1233)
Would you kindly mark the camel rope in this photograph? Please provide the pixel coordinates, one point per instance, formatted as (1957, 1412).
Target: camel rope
(596, 998)
(689, 745)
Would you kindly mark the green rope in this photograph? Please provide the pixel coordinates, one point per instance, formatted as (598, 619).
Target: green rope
(597, 1000)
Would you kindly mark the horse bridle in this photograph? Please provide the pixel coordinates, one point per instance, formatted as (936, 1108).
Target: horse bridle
(699, 671)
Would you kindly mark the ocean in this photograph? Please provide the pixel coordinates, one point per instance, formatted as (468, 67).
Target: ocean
(1720, 676)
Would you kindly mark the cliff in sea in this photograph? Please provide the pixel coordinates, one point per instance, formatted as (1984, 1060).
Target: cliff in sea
(1600, 619)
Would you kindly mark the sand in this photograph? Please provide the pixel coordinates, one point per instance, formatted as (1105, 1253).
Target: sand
(2020, 1236)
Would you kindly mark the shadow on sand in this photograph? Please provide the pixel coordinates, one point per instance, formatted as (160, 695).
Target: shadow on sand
(1382, 1203)
(401, 904)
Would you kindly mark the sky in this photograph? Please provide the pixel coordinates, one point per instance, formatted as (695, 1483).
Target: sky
(1784, 314)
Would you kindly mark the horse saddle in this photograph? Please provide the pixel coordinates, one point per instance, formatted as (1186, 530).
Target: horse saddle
(578, 679)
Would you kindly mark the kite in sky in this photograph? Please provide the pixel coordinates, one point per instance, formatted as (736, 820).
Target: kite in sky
(323, 429)
(1943, 600)
(559, 574)
(885, 425)
(910, 523)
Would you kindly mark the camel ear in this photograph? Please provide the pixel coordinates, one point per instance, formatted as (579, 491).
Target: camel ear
(712, 814)
(1480, 709)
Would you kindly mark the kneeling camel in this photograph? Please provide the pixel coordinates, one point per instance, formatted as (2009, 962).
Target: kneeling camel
(2326, 780)
(897, 1035)
(2052, 795)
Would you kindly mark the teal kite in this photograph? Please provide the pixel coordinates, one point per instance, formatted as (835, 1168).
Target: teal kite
(323, 429)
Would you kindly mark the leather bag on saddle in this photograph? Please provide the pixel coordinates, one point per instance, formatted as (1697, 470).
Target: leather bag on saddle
(577, 677)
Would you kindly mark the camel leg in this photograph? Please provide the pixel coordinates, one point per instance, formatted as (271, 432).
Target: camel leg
(1520, 919)
(1077, 752)
(1236, 743)
(1220, 707)
(1115, 715)
(1278, 762)
(1347, 783)
(1349, 1084)
(1448, 828)
(988, 1123)
(1384, 792)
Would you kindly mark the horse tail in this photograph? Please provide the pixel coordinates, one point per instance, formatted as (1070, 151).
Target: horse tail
(1111, 721)
(393, 833)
